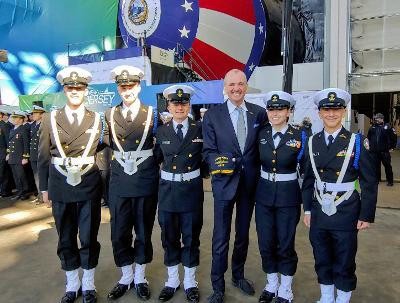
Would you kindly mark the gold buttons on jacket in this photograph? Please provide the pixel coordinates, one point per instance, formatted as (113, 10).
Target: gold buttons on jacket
(83, 146)
(189, 168)
(274, 152)
(137, 141)
(174, 167)
(321, 170)
(273, 161)
(190, 155)
(337, 173)
(274, 169)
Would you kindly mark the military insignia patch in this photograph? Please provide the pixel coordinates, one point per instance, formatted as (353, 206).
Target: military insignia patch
(293, 143)
(124, 74)
(366, 143)
(263, 141)
(274, 98)
(343, 136)
(74, 76)
(179, 92)
(332, 96)
(342, 153)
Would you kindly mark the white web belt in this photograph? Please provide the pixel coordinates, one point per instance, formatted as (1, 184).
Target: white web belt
(131, 159)
(73, 165)
(278, 177)
(329, 202)
(180, 177)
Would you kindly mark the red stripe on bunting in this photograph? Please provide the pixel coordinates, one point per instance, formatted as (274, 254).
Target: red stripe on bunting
(240, 9)
(210, 63)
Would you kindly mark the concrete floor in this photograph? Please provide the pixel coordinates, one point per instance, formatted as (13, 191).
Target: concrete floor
(30, 269)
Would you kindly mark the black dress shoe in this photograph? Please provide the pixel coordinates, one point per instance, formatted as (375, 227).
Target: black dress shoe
(118, 291)
(389, 184)
(281, 300)
(15, 198)
(25, 196)
(216, 297)
(266, 297)
(5, 195)
(71, 296)
(89, 296)
(246, 286)
(167, 293)
(192, 295)
(143, 291)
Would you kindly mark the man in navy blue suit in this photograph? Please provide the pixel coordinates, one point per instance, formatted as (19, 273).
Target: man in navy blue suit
(230, 132)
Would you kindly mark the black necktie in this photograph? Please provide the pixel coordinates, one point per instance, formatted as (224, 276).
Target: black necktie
(330, 139)
(129, 116)
(278, 134)
(179, 132)
(75, 122)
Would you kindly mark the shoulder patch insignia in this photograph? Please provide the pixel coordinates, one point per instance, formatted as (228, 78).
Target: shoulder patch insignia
(366, 143)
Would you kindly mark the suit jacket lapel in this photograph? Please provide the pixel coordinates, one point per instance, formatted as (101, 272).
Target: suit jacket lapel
(63, 122)
(285, 137)
(251, 119)
(172, 136)
(341, 142)
(189, 135)
(119, 118)
(86, 123)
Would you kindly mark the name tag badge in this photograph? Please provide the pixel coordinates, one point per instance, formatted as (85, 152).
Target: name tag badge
(197, 140)
(165, 142)
(263, 141)
(256, 125)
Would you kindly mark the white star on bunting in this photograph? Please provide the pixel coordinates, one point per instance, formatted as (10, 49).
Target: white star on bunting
(252, 66)
(184, 32)
(261, 28)
(187, 6)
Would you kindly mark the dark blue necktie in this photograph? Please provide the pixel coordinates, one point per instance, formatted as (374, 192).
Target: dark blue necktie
(330, 139)
(179, 132)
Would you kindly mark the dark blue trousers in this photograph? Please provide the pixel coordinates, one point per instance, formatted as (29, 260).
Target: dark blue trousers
(223, 211)
(180, 237)
(73, 219)
(334, 254)
(276, 230)
(127, 214)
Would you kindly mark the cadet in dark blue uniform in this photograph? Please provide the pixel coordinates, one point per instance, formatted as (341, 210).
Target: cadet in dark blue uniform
(5, 128)
(278, 197)
(179, 146)
(37, 113)
(334, 209)
(18, 154)
(133, 182)
(382, 139)
(70, 179)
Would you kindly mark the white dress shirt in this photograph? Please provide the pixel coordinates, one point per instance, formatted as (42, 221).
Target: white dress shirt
(185, 127)
(80, 111)
(278, 139)
(134, 108)
(235, 115)
(334, 135)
